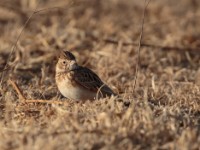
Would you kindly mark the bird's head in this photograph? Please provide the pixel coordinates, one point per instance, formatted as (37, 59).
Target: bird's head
(66, 62)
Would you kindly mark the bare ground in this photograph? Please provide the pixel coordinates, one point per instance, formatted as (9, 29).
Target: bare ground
(165, 105)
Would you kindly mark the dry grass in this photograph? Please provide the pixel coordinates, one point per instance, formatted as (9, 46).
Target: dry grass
(165, 108)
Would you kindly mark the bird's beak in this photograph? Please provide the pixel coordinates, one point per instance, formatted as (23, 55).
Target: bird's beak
(73, 66)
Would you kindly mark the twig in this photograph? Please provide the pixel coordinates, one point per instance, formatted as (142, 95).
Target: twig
(15, 45)
(45, 101)
(139, 45)
(172, 48)
(19, 92)
(24, 100)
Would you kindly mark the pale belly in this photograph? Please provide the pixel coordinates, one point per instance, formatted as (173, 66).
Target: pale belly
(75, 93)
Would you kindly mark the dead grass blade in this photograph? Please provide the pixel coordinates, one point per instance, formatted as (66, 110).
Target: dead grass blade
(15, 45)
(24, 100)
(195, 50)
(139, 44)
(17, 89)
(45, 101)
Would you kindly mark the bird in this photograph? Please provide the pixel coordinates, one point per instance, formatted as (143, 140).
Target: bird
(76, 82)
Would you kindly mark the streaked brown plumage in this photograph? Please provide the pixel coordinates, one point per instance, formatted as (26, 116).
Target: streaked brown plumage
(77, 82)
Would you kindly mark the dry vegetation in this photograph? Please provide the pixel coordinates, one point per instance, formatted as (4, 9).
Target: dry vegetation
(165, 105)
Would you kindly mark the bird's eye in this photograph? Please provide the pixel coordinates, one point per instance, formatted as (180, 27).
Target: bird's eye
(64, 62)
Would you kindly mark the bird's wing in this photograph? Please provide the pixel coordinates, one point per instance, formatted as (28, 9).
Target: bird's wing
(88, 79)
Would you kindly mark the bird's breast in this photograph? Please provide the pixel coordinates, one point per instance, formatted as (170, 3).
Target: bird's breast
(70, 89)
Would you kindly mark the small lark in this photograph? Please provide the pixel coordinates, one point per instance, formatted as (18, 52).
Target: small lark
(77, 82)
